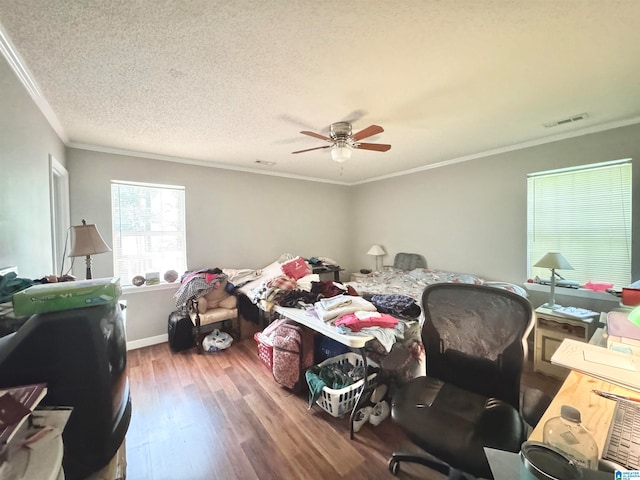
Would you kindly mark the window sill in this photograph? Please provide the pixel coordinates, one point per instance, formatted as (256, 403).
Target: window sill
(131, 289)
(572, 292)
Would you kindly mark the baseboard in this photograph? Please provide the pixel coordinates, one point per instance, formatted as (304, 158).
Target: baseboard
(147, 342)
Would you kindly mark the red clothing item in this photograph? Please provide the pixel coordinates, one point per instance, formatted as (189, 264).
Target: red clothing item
(356, 324)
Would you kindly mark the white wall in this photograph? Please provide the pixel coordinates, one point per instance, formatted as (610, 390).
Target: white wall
(26, 140)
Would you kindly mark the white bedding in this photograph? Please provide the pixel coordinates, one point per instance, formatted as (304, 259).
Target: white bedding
(413, 282)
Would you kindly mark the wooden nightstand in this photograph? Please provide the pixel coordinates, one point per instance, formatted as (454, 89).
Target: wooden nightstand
(328, 272)
(550, 330)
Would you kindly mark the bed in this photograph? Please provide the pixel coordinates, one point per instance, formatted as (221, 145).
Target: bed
(409, 275)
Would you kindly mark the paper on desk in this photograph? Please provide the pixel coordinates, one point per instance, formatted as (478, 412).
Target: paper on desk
(615, 367)
(605, 358)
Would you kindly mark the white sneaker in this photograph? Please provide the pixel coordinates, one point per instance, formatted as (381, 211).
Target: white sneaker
(379, 413)
(361, 417)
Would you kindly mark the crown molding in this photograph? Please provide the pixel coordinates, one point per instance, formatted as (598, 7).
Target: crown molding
(444, 163)
(22, 72)
(510, 148)
(201, 163)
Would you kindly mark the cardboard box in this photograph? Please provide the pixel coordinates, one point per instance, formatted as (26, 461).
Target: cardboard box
(52, 297)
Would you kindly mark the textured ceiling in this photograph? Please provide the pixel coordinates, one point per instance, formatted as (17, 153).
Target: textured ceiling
(232, 82)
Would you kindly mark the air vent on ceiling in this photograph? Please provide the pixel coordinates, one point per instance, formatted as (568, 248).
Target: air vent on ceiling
(565, 121)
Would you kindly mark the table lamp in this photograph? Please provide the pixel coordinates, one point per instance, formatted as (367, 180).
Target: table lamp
(553, 260)
(87, 241)
(377, 251)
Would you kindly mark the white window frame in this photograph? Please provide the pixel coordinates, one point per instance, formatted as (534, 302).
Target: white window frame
(118, 246)
(610, 264)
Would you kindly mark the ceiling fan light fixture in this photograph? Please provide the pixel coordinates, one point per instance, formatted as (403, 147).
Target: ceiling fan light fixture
(340, 153)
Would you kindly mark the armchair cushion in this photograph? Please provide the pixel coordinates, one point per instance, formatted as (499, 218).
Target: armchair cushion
(217, 297)
(215, 315)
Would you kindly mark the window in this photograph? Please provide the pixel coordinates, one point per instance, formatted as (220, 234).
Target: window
(585, 214)
(148, 229)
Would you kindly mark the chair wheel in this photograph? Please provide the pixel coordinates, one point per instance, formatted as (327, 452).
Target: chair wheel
(394, 466)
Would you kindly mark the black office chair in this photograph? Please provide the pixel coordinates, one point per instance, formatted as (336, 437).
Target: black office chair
(475, 337)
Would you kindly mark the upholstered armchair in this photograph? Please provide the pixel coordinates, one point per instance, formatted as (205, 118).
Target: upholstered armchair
(208, 311)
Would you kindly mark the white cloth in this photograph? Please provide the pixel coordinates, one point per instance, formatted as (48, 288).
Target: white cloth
(341, 305)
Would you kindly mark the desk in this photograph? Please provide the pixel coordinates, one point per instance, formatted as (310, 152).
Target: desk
(596, 411)
(356, 342)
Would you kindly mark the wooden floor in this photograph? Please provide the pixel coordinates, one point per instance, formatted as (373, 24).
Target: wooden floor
(221, 416)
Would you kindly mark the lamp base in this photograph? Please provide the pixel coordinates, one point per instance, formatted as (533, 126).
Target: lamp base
(88, 271)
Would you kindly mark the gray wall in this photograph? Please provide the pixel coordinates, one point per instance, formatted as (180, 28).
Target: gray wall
(471, 216)
(468, 217)
(234, 219)
(26, 140)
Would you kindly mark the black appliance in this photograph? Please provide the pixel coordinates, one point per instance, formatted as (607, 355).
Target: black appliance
(81, 354)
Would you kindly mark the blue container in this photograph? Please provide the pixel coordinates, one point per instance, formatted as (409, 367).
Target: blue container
(325, 347)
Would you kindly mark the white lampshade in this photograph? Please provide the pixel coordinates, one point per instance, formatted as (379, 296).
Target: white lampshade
(87, 241)
(376, 250)
(554, 260)
(340, 153)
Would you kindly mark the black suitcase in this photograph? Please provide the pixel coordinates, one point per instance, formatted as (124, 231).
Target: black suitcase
(180, 331)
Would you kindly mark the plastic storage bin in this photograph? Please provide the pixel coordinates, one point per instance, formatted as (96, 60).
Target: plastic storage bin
(265, 350)
(54, 297)
(326, 348)
(338, 402)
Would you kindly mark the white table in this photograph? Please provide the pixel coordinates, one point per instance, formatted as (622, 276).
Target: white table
(356, 342)
(325, 328)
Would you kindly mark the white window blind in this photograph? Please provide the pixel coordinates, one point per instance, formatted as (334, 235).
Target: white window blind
(148, 229)
(585, 214)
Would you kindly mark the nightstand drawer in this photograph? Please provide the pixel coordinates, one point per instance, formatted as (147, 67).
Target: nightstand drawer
(550, 331)
(577, 331)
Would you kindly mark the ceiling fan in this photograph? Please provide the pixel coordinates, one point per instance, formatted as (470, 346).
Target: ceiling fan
(342, 141)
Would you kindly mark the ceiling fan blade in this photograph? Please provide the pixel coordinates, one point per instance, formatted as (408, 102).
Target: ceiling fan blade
(316, 135)
(378, 147)
(309, 149)
(367, 132)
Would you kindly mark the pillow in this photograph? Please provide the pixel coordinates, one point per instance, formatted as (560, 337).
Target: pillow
(213, 297)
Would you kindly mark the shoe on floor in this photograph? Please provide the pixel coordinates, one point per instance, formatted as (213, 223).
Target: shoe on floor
(361, 417)
(379, 413)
